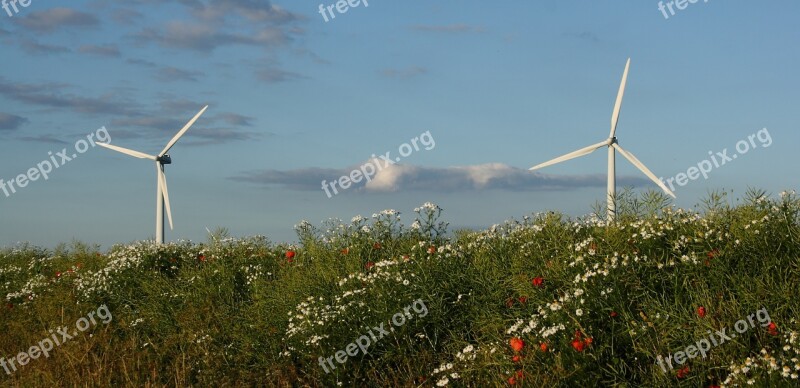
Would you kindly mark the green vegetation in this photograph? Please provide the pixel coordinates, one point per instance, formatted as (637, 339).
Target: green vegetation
(544, 301)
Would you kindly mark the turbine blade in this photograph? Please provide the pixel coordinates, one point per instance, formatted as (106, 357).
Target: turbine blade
(571, 155)
(126, 151)
(618, 104)
(162, 184)
(643, 169)
(182, 131)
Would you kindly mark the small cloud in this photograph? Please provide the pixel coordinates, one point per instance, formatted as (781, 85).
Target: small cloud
(274, 75)
(53, 19)
(49, 139)
(36, 48)
(404, 73)
(450, 28)
(171, 74)
(109, 50)
(9, 122)
(236, 119)
(141, 62)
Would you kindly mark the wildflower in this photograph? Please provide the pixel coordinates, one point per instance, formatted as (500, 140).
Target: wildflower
(683, 372)
(516, 358)
(431, 249)
(701, 311)
(577, 345)
(290, 255)
(772, 328)
(537, 281)
(510, 302)
(201, 258)
(523, 299)
(543, 346)
(613, 314)
(369, 265)
(345, 251)
(377, 245)
(512, 381)
(516, 344)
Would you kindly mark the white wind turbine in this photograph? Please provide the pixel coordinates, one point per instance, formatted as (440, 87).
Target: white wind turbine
(162, 195)
(613, 146)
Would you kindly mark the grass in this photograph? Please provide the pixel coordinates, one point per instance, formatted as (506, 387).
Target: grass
(543, 301)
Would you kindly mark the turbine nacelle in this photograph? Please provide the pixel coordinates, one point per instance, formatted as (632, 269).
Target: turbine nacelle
(164, 159)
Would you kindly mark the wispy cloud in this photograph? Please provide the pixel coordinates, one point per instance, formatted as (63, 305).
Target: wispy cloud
(393, 178)
(171, 74)
(275, 75)
(49, 139)
(36, 48)
(53, 95)
(53, 19)
(110, 50)
(9, 122)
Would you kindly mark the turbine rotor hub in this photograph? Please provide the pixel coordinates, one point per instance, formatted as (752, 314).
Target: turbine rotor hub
(164, 159)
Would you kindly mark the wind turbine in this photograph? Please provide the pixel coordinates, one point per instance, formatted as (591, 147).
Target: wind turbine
(162, 195)
(613, 146)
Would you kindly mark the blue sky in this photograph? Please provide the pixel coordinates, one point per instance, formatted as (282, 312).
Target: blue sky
(294, 99)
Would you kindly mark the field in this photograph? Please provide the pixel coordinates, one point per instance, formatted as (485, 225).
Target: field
(655, 299)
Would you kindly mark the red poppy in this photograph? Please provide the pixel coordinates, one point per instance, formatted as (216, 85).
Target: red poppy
(578, 345)
(377, 245)
(683, 372)
(523, 299)
(516, 358)
(543, 346)
(10, 306)
(510, 302)
(431, 249)
(713, 386)
(516, 344)
(405, 258)
(512, 380)
(201, 258)
(772, 328)
(369, 265)
(345, 251)
(713, 253)
(701, 311)
(58, 274)
(520, 374)
(537, 281)
(613, 314)
(290, 254)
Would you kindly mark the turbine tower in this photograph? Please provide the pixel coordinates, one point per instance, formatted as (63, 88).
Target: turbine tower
(162, 195)
(613, 146)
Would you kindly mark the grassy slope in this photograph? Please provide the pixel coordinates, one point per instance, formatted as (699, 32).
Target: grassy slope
(239, 312)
